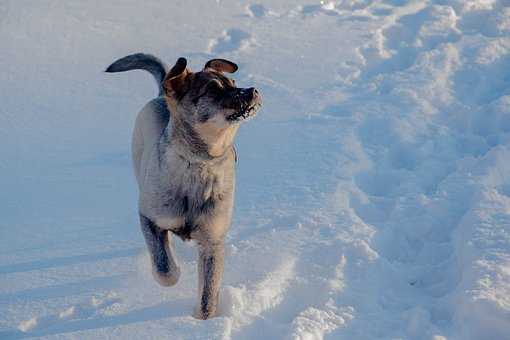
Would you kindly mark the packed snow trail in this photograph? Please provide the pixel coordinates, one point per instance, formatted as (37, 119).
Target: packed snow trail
(373, 197)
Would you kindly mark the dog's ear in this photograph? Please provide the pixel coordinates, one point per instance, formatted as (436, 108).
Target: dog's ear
(176, 81)
(221, 65)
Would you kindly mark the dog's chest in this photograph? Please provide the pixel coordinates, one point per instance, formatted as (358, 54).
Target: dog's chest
(193, 191)
(183, 193)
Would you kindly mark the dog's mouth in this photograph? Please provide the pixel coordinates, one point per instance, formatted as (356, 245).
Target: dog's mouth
(244, 113)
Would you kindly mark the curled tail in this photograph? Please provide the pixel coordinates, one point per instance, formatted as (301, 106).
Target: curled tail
(141, 61)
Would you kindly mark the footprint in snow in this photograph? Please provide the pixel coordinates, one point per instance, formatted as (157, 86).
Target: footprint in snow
(419, 29)
(325, 7)
(82, 311)
(339, 8)
(230, 40)
(256, 11)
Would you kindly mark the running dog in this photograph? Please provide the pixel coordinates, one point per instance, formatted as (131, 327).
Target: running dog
(184, 163)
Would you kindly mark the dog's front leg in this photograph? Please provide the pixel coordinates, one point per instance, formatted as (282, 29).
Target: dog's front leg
(210, 271)
(164, 267)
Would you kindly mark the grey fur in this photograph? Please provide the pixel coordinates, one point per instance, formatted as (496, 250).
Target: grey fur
(184, 163)
(141, 61)
(210, 269)
(165, 270)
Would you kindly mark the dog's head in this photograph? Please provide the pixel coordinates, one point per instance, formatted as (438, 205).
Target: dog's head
(210, 102)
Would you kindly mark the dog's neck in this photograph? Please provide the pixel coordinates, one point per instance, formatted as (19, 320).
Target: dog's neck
(218, 140)
(198, 145)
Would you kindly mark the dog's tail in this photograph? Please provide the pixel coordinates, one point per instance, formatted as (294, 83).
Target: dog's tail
(141, 61)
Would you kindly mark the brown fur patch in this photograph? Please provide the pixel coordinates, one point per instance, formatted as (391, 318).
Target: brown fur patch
(177, 81)
(221, 65)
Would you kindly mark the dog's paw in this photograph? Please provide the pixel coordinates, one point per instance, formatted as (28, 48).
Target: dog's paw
(199, 314)
(167, 279)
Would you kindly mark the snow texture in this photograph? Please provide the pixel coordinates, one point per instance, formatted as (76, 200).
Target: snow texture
(373, 197)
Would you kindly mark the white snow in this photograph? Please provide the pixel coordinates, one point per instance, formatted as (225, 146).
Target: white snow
(373, 197)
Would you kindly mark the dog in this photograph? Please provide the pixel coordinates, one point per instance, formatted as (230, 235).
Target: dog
(184, 163)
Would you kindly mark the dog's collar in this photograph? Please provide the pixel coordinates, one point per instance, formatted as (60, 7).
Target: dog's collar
(192, 149)
(193, 157)
(196, 159)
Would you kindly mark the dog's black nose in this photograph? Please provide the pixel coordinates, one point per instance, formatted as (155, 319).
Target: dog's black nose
(250, 94)
(253, 91)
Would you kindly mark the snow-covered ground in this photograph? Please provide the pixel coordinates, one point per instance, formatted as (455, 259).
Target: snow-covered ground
(373, 197)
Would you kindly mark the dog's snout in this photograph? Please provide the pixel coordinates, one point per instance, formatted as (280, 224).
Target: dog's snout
(245, 102)
(253, 92)
(250, 94)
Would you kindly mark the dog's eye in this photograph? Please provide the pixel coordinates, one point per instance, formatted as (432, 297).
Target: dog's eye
(214, 88)
(214, 85)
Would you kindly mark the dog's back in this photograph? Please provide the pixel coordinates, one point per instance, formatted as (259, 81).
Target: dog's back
(149, 126)
(153, 118)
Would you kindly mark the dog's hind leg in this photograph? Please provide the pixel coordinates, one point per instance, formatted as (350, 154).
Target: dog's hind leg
(210, 271)
(164, 268)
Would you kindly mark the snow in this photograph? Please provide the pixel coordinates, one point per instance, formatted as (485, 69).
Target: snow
(373, 196)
